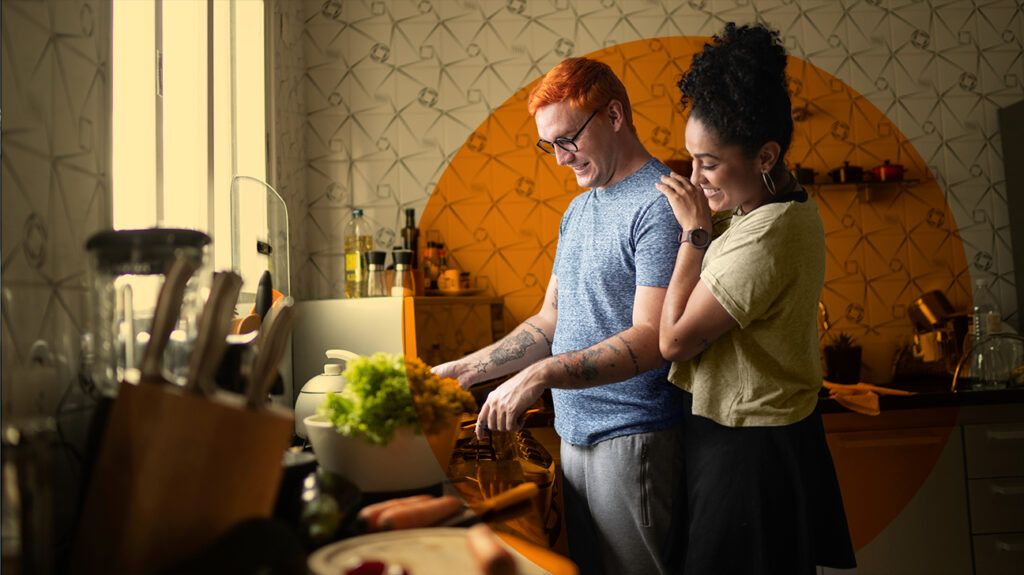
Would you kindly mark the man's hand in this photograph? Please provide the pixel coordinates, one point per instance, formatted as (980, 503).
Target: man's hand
(456, 370)
(506, 405)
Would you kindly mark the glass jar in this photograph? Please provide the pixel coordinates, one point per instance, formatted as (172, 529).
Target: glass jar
(126, 272)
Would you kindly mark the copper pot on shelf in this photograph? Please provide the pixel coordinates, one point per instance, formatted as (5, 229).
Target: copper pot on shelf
(888, 172)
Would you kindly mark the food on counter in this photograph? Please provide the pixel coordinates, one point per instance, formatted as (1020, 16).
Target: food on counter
(488, 553)
(374, 567)
(387, 391)
(409, 512)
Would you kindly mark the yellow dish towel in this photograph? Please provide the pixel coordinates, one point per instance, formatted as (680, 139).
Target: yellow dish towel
(860, 397)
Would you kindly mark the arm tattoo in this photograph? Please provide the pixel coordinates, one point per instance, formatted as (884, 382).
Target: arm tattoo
(632, 355)
(481, 367)
(581, 364)
(512, 348)
(541, 332)
(554, 300)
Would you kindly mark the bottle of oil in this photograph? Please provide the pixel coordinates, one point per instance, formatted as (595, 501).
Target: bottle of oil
(358, 243)
(411, 236)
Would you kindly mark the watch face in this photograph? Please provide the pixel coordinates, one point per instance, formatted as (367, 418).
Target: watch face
(700, 238)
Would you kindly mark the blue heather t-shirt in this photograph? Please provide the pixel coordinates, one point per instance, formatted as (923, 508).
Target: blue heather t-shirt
(612, 240)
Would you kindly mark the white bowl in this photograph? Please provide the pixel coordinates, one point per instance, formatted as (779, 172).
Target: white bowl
(406, 463)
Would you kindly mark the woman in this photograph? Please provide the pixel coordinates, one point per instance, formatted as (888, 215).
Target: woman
(739, 325)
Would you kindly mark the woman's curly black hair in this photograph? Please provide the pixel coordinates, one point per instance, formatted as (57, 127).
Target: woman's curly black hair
(737, 87)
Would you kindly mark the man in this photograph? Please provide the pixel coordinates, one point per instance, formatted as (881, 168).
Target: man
(594, 342)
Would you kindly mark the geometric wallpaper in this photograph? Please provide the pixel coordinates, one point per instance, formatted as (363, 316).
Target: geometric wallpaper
(55, 190)
(376, 99)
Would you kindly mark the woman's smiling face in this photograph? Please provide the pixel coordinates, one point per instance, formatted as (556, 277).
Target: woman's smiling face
(726, 175)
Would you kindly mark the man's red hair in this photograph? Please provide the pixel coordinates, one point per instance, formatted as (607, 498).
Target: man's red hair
(586, 84)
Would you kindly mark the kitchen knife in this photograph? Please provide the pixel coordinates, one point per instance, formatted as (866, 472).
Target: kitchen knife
(214, 324)
(168, 306)
(264, 295)
(273, 341)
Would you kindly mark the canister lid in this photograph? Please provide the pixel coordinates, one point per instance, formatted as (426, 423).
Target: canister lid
(332, 369)
(145, 252)
(402, 257)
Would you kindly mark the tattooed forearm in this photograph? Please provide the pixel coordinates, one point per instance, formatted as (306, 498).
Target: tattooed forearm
(581, 364)
(541, 332)
(513, 348)
(554, 300)
(481, 367)
(632, 355)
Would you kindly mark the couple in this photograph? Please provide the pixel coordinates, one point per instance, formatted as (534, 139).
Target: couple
(719, 464)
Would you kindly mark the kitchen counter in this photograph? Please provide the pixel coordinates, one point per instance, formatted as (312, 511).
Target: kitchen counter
(932, 393)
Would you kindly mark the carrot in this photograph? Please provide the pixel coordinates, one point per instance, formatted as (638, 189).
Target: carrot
(371, 513)
(490, 557)
(422, 513)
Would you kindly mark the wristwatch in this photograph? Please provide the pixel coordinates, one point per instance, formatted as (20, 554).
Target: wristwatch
(697, 237)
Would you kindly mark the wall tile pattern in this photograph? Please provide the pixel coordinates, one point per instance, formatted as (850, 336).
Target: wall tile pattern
(55, 187)
(393, 90)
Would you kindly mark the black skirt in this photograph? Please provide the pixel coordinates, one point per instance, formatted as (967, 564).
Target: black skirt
(759, 500)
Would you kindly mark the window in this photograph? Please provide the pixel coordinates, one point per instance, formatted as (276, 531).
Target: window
(189, 114)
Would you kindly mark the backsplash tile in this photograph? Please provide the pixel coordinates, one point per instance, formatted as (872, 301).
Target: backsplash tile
(936, 70)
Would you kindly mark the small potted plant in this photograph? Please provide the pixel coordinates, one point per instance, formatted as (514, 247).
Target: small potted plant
(392, 427)
(842, 359)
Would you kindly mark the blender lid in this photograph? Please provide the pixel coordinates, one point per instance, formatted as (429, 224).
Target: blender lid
(146, 251)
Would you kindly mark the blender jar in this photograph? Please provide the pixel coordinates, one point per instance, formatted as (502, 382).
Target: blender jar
(126, 271)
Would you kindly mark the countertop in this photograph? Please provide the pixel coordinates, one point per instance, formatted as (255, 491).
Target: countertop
(932, 393)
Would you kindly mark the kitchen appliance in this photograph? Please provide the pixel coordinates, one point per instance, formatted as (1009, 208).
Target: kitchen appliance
(887, 172)
(314, 392)
(846, 174)
(939, 332)
(125, 271)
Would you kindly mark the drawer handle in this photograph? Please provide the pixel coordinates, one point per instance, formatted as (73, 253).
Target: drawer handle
(1010, 547)
(1008, 490)
(1005, 435)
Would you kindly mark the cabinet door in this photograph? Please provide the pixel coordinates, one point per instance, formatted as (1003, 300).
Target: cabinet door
(995, 450)
(905, 499)
(997, 505)
(998, 554)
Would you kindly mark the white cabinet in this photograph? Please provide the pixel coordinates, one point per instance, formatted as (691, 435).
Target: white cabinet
(904, 492)
(995, 471)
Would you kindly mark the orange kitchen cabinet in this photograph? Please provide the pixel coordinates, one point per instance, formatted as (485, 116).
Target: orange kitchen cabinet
(449, 327)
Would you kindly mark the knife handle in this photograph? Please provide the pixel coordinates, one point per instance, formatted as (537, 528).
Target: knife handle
(272, 344)
(213, 328)
(168, 307)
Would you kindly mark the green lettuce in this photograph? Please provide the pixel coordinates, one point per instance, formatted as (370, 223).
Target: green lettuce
(384, 392)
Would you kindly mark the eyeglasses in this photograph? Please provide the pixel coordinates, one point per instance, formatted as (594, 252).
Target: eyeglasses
(567, 144)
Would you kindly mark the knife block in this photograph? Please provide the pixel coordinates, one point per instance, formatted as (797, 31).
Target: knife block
(174, 472)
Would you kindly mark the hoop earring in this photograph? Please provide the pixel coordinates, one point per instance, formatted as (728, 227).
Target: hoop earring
(768, 182)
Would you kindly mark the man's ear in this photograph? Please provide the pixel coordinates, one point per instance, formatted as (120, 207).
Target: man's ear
(616, 116)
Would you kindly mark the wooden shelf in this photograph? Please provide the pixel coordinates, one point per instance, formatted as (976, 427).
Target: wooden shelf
(865, 190)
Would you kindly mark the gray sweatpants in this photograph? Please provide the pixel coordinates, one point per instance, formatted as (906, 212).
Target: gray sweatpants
(618, 501)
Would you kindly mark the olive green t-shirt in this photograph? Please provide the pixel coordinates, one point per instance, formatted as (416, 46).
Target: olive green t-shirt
(767, 271)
